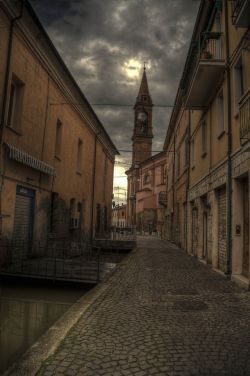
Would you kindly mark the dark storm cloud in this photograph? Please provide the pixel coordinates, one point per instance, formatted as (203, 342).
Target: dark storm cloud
(98, 39)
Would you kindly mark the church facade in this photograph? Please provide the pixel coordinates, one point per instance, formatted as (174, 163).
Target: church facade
(146, 176)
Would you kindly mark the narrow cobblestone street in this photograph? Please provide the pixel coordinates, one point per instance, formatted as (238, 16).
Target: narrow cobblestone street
(164, 314)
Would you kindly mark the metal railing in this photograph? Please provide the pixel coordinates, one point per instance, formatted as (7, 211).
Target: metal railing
(124, 233)
(244, 116)
(210, 45)
(60, 260)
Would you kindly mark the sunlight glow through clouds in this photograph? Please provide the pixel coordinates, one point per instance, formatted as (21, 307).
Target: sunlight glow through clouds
(132, 68)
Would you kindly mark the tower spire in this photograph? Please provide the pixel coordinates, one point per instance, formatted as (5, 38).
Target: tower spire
(142, 135)
(143, 91)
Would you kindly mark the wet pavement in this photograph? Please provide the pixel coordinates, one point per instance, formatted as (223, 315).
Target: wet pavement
(164, 313)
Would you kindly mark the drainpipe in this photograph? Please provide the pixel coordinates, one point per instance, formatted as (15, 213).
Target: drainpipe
(93, 188)
(5, 96)
(173, 223)
(187, 185)
(229, 160)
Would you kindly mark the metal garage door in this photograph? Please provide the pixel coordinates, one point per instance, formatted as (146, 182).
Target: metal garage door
(24, 214)
(222, 229)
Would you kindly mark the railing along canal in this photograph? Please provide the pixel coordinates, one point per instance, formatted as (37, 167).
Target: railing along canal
(62, 260)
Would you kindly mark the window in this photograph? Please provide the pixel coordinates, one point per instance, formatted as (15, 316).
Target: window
(15, 104)
(238, 82)
(98, 218)
(146, 179)
(58, 141)
(79, 155)
(164, 173)
(12, 105)
(105, 218)
(204, 137)
(220, 106)
(79, 213)
(72, 207)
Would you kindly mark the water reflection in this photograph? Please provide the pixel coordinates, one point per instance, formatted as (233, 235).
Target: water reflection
(25, 313)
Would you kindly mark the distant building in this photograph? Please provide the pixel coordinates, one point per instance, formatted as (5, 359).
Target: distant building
(151, 195)
(57, 160)
(119, 217)
(146, 184)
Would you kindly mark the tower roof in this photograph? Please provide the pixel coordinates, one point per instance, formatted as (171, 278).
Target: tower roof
(144, 84)
(143, 95)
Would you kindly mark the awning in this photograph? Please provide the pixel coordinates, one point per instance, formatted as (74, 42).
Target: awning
(28, 160)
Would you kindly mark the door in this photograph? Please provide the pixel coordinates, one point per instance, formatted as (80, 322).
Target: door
(204, 250)
(245, 264)
(24, 214)
(194, 231)
(222, 229)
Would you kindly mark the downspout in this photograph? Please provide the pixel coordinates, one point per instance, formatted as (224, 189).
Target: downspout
(187, 185)
(93, 188)
(5, 95)
(229, 160)
(173, 224)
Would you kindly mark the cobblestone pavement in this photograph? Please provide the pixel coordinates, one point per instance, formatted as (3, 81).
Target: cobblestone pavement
(164, 314)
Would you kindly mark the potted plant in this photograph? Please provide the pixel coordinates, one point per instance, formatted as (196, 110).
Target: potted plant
(206, 55)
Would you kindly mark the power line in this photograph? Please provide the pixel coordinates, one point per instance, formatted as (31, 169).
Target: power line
(142, 151)
(129, 105)
(107, 104)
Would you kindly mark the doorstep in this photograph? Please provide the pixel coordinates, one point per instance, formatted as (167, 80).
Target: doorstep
(241, 281)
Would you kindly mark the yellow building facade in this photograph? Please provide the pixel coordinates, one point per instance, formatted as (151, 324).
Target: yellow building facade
(212, 109)
(57, 160)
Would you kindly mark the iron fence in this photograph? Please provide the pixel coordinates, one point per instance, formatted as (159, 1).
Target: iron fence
(58, 260)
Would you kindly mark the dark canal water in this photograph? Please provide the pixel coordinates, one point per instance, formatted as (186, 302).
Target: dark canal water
(27, 310)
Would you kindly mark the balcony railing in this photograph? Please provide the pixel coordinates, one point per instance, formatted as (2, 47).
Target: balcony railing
(244, 115)
(162, 198)
(207, 70)
(210, 46)
(240, 12)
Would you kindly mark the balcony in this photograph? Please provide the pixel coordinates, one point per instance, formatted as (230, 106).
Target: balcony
(244, 116)
(162, 198)
(208, 71)
(240, 13)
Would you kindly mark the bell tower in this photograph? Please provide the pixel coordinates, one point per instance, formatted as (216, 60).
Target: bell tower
(142, 135)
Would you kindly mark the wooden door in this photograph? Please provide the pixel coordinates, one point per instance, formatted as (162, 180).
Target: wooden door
(204, 251)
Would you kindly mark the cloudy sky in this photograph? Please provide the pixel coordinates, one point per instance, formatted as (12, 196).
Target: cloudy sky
(105, 43)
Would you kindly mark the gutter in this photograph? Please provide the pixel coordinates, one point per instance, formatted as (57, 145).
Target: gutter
(174, 223)
(187, 183)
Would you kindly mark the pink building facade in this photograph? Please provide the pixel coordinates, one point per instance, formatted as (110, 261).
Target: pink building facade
(151, 195)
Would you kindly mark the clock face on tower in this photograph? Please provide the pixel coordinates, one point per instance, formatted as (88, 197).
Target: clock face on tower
(142, 118)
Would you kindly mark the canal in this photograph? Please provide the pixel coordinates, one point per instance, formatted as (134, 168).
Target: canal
(27, 310)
